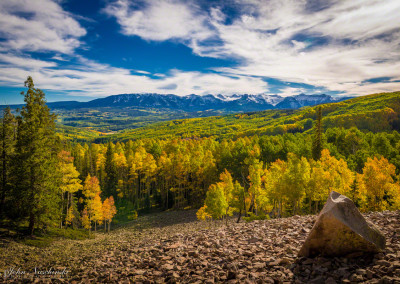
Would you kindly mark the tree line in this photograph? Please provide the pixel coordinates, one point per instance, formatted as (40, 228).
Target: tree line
(178, 173)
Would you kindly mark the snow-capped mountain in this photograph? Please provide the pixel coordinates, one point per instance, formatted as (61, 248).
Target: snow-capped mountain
(225, 103)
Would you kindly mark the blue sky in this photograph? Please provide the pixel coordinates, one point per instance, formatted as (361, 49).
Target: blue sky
(80, 50)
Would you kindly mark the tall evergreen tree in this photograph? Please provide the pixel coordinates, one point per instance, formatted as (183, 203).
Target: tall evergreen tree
(7, 144)
(37, 192)
(317, 142)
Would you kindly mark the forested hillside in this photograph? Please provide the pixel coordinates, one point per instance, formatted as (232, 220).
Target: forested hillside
(272, 163)
(378, 112)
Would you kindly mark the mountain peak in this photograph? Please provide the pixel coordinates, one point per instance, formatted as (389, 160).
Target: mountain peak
(193, 102)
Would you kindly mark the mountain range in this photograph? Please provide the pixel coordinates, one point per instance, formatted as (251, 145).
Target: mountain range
(237, 103)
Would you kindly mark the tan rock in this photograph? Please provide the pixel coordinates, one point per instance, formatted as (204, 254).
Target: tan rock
(340, 229)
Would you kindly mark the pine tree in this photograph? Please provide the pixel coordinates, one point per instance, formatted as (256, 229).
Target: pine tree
(317, 142)
(36, 188)
(7, 144)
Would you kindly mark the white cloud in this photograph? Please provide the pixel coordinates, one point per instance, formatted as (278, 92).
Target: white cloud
(160, 20)
(362, 41)
(41, 25)
(361, 38)
(336, 47)
(90, 78)
(24, 62)
(290, 91)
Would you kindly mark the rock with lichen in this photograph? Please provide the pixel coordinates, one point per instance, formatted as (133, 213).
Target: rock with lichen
(340, 229)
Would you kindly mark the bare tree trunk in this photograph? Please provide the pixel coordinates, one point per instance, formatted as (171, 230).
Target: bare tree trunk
(31, 223)
(240, 215)
(62, 208)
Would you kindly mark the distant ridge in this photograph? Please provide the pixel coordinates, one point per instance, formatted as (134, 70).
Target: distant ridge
(193, 102)
(238, 103)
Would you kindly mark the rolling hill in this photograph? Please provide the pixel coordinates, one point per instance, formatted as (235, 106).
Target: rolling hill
(377, 112)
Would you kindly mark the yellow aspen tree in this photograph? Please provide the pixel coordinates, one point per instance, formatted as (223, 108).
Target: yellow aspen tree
(96, 211)
(216, 203)
(296, 180)
(316, 190)
(202, 214)
(338, 176)
(70, 182)
(255, 177)
(378, 190)
(113, 211)
(85, 219)
(91, 187)
(106, 212)
(226, 183)
(264, 203)
(70, 216)
(274, 185)
(328, 174)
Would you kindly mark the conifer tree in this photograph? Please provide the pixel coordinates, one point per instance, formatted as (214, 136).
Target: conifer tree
(7, 144)
(317, 142)
(37, 182)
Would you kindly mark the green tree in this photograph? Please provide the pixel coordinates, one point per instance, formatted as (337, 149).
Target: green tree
(37, 182)
(317, 142)
(295, 180)
(215, 203)
(7, 138)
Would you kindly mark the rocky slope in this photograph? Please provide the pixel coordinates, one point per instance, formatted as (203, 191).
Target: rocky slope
(173, 247)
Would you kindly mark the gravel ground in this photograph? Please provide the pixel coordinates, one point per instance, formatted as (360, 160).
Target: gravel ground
(173, 247)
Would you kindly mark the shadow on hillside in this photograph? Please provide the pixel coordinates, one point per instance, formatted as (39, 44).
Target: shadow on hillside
(161, 219)
(356, 267)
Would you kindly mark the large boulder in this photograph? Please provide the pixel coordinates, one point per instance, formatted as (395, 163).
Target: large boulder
(340, 229)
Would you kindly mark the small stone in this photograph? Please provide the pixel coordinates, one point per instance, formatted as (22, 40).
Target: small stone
(139, 272)
(330, 280)
(168, 267)
(382, 262)
(361, 271)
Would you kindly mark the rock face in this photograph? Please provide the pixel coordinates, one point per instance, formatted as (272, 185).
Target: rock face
(340, 229)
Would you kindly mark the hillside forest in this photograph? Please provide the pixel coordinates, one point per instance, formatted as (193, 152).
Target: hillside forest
(50, 181)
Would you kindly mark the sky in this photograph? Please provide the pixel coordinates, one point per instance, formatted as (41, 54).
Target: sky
(81, 50)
